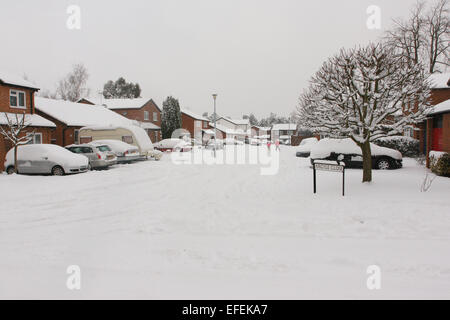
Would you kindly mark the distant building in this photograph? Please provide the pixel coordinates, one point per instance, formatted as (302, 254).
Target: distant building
(283, 132)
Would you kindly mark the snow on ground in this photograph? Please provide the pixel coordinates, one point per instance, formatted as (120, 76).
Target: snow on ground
(157, 230)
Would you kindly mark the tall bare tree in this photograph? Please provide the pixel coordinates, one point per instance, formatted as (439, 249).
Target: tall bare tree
(15, 132)
(423, 37)
(360, 93)
(438, 35)
(74, 86)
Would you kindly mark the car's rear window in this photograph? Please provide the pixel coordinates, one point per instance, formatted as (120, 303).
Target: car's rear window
(103, 148)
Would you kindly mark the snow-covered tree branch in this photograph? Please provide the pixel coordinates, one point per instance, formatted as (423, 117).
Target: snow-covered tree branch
(365, 93)
(15, 132)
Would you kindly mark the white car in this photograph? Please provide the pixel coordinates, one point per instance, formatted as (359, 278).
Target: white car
(45, 159)
(173, 145)
(304, 150)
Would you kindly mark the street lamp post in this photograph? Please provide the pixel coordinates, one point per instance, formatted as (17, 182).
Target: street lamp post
(215, 127)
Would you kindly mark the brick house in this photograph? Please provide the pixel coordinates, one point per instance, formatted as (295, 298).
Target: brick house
(145, 111)
(434, 132)
(261, 132)
(70, 117)
(283, 132)
(194, 123)
(17, 97)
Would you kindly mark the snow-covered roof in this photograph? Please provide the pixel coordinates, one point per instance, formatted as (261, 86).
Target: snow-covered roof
(193, 114)
(146, 125)
(79, 114)
(284, 126)
(439, 108)
(439, 80)
(17, 81)
(32, 120)
(229, 130)
(262, 128)
(125, 103)
(237, 121)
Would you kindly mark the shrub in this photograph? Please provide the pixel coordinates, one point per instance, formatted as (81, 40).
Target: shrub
(440, 163)
(408, 147)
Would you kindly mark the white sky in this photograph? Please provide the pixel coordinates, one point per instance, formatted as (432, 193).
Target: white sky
(257, 55)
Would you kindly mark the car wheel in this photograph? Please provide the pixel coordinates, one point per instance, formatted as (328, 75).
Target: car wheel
(57, 171)
(383, 164)
(10, 170)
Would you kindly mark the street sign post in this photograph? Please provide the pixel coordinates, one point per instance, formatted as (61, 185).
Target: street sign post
(331, 166)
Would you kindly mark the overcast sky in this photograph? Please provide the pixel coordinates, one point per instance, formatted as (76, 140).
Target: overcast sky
(256, 54)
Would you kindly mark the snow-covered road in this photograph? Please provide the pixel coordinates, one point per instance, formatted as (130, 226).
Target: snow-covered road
(159, 230)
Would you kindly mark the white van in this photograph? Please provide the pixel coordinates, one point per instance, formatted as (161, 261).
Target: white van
(131, 134)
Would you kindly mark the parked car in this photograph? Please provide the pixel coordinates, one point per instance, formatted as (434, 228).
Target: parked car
(350, 153)
(231, 141)
(304, 149)
(130, 134)
(45, 159)
(125, 153)
(173, 144)
(100, 156)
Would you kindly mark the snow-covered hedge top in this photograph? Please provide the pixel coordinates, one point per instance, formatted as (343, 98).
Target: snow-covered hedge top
(171, 143)
(398, 138)
(116, 145)
(436, 154)
(326, 146)
(51, 151)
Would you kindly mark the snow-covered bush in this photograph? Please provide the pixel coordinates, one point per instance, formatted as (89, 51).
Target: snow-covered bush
(440, 163)
(409, 147)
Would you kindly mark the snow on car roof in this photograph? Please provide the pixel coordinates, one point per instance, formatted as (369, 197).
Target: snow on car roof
(326, 146)
(33, 120)
(79, 114)
(17, 81)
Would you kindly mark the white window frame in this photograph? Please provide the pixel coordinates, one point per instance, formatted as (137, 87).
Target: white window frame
(155, 116)
(33, 138)
(16, 93)
(198, 123)
(146, 115)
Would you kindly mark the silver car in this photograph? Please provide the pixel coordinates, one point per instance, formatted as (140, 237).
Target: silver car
(45, 159)
(100, 156)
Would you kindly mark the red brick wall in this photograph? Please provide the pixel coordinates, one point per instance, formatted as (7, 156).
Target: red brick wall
(4, 99)
(5, 146)
(188, 123)
(439, 95)
(138, 114)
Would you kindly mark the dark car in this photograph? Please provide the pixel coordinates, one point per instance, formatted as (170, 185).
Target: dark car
(350, 153)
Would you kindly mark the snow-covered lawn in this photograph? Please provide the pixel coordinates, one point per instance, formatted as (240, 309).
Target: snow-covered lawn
(159, 230)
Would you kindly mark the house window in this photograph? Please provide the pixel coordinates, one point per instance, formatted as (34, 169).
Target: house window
(36, 138)
(146, 115)
(205, 124)
(127, 139)
(76, 134)
(17, 99)
(408, 132)
(124, 113)
(155, 116)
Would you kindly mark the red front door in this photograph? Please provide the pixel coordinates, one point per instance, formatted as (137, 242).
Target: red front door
(438, 138)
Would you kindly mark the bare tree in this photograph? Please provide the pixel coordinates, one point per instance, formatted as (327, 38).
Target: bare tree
(423, 37)
(74, 86)
(438, 35)
(15, 132)
(360, 93)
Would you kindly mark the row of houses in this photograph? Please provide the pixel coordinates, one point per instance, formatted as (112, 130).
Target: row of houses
(58, 122)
